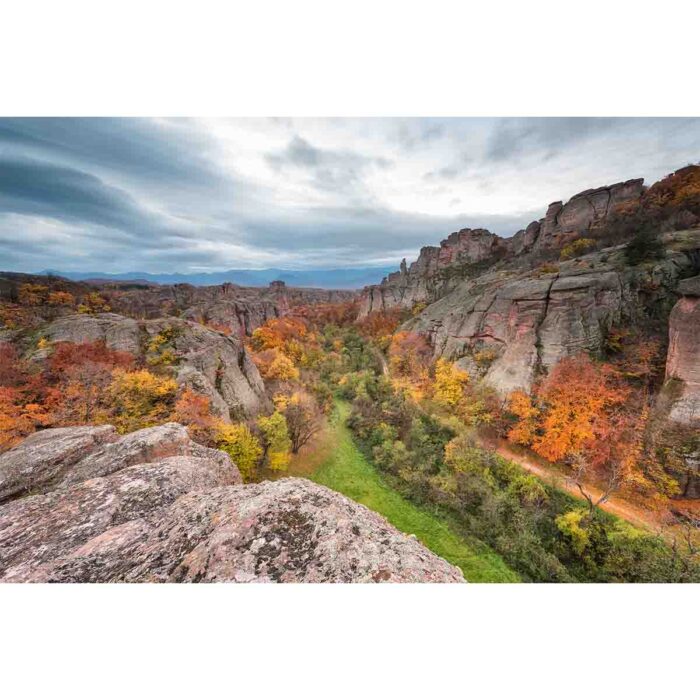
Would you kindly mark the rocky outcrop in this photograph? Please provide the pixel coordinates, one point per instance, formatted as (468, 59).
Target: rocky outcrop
(188, 519)
(38, 531)
(58, 457)
(585, 213)
(116, 331)
(683, 359)
(507, 326)
(215, 365)
(239, 309)
(430, 276)
(465, 253)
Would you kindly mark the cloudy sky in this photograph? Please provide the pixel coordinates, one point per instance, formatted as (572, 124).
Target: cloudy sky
(194, 195)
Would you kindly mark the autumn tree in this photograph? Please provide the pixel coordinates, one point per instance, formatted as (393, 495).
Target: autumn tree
(243, 447)
(93, 303)
(409, 355)
(576, 248)
(33, 294)
(276, 442)
(581, 415)
(273, 364)
(140, 399)
(450, 382)
(320, 315)
(286, 334)
(194, 411)
(26, 401)
(84, 372)
(637, 356)
(304, 419)
(61, 299)
(380, 326)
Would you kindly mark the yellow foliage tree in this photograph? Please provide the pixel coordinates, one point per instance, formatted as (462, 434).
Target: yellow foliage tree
(243, 447)
(32, 294)
(524, 431)
(61, 299)
(277, 442)
(140, 399)
(274, 364)
(450, 381)
(282, 368)
(93, 303)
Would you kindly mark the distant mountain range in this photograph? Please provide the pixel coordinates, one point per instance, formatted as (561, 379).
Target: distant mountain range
(349, 278)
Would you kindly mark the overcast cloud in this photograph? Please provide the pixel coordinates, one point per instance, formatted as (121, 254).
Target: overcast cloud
(192, 195)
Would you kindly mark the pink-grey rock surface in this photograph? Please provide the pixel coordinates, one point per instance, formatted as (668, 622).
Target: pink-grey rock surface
(188, 518)
(529, 320)
(683, 360)
(57, 457)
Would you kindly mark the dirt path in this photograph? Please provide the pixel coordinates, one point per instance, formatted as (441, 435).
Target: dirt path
(637, 515)
(550, 473)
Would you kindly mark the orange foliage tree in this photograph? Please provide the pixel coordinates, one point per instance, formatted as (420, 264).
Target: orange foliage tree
(380, 326)
(84, 371)
(410, 355)
(320, 315)
(26, 402)
(582, 415)
(194, 411)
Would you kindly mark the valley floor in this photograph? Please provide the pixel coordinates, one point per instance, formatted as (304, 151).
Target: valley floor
(344, 468)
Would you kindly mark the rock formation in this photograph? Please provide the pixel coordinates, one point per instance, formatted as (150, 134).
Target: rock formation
(683, 360)
(507, 326)
(213, 364)
(496, 308)
(429, 276)
(50, 459)
(240, 309)
(469, 251)
(584, 213)
(185, 518)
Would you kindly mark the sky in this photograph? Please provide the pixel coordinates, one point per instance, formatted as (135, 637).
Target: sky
(199, 195)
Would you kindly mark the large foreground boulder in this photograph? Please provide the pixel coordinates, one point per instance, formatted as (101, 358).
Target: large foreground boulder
(41, 529)
(58, 457)
(187, 518)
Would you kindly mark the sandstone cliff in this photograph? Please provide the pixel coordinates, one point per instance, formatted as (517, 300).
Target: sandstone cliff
(240, 309)
(508, 325)
(158, 508)
(673, 203)
(508, 309)
(683, 361)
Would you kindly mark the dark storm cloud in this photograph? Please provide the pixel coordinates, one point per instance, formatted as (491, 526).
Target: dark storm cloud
(138, 148)
(33, 187)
